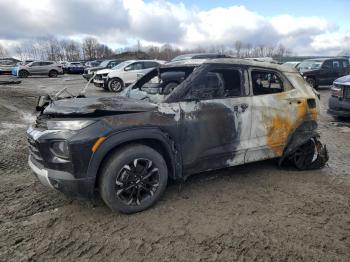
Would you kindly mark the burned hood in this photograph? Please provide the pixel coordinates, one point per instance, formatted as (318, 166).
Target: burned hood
(98, 106)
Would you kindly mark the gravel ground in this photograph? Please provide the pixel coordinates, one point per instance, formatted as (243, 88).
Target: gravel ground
(252, 212)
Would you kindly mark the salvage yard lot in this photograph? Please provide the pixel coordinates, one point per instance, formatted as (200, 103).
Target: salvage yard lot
(257, 211)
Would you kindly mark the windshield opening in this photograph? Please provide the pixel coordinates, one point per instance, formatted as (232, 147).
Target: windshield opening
(158, 83)
(309, 65)
(121, 65)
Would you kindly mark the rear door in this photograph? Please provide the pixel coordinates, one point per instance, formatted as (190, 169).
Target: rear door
(276, 111)
(215, 119)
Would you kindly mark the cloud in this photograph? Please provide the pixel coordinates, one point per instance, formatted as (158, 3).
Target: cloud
(119, 22)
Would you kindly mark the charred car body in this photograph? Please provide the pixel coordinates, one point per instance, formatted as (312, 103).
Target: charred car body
(225, 112)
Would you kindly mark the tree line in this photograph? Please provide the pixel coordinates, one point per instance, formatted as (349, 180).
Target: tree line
(50, 48)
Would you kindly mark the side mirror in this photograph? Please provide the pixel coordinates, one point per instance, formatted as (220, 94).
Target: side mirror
(326, 67)
(128, 68)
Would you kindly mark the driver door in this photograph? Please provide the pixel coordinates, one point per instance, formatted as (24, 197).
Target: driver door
(131, 71)
(215, 119)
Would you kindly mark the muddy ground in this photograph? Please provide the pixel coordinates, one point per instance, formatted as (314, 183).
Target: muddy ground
(254, 212)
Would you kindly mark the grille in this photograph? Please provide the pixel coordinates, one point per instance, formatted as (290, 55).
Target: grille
(346, 91)
(34, 151)
(86, 71)
(98, 77)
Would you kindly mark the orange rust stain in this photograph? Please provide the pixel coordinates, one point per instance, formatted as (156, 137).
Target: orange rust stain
(281, 127)
(278, 133)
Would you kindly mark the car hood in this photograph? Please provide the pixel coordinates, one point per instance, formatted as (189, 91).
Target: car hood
(95, 68)
(97, 106)
(344, 80)
(308, 71)
(104, 71)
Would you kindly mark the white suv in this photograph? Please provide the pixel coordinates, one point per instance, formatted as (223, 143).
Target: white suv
(124, 74)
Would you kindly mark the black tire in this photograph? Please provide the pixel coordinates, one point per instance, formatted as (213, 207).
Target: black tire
(133, 167)
(115, 85)
(53, 73)
(169, 87)
(311, 82)
(23, 74)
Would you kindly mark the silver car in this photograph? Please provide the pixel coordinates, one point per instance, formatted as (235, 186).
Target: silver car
(47, 68)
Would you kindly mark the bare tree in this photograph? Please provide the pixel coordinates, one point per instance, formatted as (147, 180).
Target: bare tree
(3, 51)
(238, 47)
(89, 47)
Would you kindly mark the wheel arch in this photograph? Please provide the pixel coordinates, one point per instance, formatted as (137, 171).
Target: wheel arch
(152, 137)
(301, 135)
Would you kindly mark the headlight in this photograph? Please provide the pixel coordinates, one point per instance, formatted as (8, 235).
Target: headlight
(60, 149)
(69, 125)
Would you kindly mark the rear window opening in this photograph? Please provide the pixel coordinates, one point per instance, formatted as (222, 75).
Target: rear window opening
(266, 82)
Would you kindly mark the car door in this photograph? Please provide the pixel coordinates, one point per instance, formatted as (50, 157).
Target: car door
(34, 68)
(131, 71)
(215, 119)
(326, 73)
(277, 110)
(337, 70)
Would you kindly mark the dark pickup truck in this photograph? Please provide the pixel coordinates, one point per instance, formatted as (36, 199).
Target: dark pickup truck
(323, 71)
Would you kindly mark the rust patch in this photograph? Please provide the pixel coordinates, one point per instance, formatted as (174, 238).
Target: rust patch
(278, 133)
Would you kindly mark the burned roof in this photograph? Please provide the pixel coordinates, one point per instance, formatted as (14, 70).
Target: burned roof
(247, 62)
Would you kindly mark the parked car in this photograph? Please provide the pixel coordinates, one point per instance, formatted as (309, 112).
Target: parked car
(93, 63)
(293, 64)
(124, 74)
(107, 64)
(49, 68)
(197, 56)
(339, 101)
(73, 68)
(323, 71)
(6, 66)
(224, 113)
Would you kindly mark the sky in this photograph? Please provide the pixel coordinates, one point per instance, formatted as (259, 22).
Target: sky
(307, 27)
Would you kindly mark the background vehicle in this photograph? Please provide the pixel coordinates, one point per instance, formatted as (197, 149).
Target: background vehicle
(93, 63)
(339, 101)
(323, 71)
(6, 66)
(48, 68)
(128, 146)
(106, 64)
(73, 68)
(124, 74)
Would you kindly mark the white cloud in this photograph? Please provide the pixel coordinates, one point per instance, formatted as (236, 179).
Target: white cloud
(121, 22)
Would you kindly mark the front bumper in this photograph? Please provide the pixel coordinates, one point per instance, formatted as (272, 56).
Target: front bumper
(339, 107)
(100, 82)
(62, 181)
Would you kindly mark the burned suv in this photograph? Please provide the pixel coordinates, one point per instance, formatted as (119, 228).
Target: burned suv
(223, 113)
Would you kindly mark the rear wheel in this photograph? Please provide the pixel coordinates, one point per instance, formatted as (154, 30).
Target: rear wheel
(53, 73)
(115, 85)
(23, 74)
(133, 179)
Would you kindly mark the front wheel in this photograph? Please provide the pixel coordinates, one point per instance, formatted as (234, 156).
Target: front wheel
(311, 82)
(133, 179)
(115, 85)
(23, 74)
